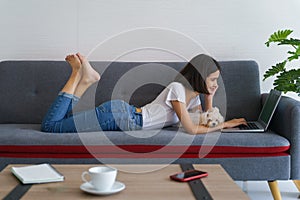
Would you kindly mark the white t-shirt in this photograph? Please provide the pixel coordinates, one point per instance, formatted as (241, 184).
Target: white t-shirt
(160, 112)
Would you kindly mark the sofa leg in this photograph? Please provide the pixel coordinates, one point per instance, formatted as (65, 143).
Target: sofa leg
(275, 190)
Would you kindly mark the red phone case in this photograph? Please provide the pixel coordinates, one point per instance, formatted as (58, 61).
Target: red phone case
(200, 175)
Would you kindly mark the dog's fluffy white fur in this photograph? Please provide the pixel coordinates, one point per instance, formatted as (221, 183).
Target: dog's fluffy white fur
(210, 118)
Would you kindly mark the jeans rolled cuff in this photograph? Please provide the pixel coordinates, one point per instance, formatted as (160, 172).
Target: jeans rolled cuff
(71, 96)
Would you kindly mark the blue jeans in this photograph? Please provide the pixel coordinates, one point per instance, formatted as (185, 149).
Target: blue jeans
(115, 115)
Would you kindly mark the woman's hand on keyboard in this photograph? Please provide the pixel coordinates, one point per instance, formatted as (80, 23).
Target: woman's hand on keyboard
(234, 122)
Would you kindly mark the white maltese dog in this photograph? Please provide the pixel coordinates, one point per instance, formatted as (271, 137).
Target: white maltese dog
(210, 118)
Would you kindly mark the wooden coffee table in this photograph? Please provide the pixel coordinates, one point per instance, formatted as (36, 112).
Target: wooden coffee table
(150, 185)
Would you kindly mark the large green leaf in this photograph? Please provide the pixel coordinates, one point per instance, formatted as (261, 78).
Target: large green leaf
(293, 57)
(294, 54)
(279, 67)
(278, 36)
(290, 41)
(288, 81)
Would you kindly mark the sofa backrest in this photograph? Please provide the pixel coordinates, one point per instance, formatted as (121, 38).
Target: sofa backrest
(27, 88)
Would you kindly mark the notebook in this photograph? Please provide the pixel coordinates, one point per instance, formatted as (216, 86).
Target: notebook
(43, 173)
(266, 114)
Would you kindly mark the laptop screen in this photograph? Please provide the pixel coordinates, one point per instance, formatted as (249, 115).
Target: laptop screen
(269, 107)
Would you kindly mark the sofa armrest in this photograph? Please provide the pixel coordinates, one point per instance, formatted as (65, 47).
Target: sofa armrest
(286, 122)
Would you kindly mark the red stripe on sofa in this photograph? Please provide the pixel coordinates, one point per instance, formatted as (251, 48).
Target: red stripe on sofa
(138, 149)
(135, 155)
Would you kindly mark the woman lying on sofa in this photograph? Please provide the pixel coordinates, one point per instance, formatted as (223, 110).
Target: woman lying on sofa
(200, 75)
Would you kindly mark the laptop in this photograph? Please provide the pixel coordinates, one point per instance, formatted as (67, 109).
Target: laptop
(265, 116)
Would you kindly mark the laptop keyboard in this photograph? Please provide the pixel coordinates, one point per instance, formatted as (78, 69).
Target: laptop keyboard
(248, 126)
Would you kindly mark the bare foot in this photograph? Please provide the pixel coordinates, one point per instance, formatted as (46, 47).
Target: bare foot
(89, 74)
(74, 61)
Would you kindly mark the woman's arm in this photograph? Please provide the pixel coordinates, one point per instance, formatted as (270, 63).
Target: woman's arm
(190, 127)
(208, 102)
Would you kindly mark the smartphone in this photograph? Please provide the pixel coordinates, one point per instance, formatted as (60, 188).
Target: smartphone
(188, 175)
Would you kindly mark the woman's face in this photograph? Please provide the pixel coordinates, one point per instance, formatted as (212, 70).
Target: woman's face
(212, 82)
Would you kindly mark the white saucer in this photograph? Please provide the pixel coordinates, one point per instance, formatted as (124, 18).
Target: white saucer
(117, 187)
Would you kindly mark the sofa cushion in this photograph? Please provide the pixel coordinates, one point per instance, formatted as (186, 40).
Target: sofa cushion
(25, 140)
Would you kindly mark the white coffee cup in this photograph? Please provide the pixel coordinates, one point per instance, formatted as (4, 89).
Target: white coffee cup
(102, 178)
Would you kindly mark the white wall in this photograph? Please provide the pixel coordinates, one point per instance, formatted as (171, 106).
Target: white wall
(146, 30)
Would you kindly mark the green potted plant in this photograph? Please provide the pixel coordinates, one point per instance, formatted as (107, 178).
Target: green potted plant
(286, 80)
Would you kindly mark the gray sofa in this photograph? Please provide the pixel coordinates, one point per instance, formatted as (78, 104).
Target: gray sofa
(27, 88)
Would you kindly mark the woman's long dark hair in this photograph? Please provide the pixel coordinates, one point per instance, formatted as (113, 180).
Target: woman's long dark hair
(194, 74)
